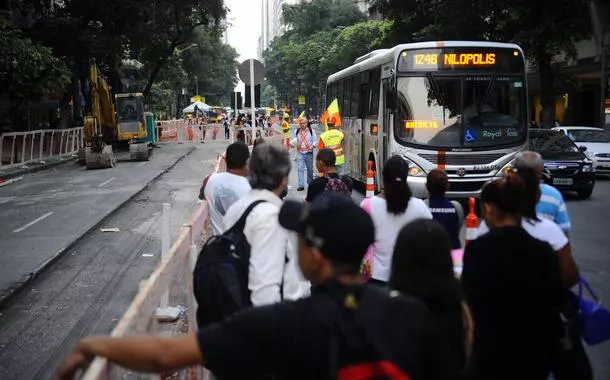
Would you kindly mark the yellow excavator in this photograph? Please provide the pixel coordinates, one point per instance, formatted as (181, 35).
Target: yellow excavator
(102, 128)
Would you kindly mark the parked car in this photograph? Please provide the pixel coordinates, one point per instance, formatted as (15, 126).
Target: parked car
(597, 142)
(566, 167)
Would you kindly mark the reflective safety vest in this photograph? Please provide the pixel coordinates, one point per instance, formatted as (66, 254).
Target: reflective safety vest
(286, 129)
(332, 139)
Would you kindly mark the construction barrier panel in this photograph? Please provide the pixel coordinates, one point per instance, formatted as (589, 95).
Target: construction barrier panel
(19, 148)
(182, 131)
(174, 274)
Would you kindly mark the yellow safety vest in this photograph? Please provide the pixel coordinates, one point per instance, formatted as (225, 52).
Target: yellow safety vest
(286, 129)
(332, 139)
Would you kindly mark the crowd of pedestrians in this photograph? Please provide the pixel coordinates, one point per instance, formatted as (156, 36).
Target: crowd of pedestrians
(309, 314)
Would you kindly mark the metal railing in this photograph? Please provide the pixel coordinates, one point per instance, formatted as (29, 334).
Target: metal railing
(19, 148)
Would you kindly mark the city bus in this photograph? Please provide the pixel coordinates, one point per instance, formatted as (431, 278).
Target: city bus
(458, 106)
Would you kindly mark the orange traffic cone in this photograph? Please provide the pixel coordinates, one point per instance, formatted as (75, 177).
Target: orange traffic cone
(472, 222)
(370, 181)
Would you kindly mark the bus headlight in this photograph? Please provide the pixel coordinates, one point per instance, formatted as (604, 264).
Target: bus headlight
(505, 169)
(416, 171)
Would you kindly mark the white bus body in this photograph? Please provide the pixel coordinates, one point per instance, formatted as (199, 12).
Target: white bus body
(459, 106)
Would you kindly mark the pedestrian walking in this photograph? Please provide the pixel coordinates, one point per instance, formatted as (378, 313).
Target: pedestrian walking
(422, 267)
(304, 141)
(391, 210)
(542, 229)
(344, 330)
(551, 205)
(222, 190)
(330, 181)
(449, 214)
(273, 273)
(226, 124)
(509, 269)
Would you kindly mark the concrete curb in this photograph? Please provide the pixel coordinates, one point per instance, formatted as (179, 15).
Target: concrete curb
(20, 286)
(36, 168)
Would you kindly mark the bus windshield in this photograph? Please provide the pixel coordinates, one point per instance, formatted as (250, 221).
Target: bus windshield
(461, 111)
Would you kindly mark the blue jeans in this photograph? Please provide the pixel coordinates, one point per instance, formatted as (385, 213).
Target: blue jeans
(305, 162)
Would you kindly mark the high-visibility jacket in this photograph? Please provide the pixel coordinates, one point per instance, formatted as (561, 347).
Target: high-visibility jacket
(286, 129)
(333, 139)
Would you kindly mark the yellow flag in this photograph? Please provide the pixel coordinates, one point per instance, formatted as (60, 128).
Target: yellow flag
(332, 110)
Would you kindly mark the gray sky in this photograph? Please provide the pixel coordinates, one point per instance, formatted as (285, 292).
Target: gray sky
(244, 21)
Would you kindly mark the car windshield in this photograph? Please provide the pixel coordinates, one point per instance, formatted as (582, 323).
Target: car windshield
(461, 111)
(589, 135)
(553, 146)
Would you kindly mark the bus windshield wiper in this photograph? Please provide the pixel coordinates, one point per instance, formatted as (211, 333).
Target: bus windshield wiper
(490, 87)
(435, 90)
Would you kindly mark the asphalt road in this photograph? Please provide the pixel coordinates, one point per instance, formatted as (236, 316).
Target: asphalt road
(590, 246)
(88, 289)
(46, 212)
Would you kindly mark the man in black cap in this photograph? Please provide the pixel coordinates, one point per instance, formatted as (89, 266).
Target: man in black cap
(344, 329)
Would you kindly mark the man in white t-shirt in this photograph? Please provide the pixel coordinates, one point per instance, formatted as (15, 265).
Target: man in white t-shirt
(224, 189)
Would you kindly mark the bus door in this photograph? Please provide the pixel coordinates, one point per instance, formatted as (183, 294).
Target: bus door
(362, 164)
(386, 124)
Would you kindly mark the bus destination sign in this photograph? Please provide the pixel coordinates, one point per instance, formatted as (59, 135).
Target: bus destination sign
(449, 59)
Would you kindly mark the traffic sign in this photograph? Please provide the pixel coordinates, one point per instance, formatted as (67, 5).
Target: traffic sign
(301, 100)
(244, 72)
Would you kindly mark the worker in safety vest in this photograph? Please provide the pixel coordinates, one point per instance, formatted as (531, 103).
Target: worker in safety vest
(286, 130)
(333, 139)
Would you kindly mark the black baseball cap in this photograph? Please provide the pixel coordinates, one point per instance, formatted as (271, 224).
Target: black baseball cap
(333, 223)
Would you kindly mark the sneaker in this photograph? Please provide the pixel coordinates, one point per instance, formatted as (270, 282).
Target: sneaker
(301, 188)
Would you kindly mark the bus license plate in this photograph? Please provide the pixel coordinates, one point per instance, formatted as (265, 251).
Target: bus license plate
(563, 181)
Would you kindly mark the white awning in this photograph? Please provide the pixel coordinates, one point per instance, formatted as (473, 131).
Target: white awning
(201, 106)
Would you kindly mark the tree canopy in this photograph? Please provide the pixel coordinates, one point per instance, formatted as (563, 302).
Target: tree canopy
(28, 70)
(542, 29)
(323, 37)
(75, 31)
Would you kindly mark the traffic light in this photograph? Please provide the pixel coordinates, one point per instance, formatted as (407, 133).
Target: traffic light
(239, 101)
(257, 96)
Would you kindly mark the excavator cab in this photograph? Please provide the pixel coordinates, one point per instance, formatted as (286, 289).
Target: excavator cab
(132, 124)
(130, 115)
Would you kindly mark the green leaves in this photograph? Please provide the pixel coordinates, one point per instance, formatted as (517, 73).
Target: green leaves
(28, 71)
(324, 36)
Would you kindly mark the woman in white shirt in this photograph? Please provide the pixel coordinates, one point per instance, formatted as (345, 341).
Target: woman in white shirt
(390, 211)
(543, 229)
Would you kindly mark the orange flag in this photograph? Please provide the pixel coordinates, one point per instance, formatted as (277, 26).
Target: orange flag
(332, 110)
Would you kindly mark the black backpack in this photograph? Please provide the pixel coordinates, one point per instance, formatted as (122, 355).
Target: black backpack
(220, 278)
(356, 351)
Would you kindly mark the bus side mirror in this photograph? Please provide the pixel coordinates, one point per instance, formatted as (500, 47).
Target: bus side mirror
(390, 98)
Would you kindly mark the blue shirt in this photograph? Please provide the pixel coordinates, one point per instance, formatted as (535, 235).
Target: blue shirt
(552, 206)
(445, 213)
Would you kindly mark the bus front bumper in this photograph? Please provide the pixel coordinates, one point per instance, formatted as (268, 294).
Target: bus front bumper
(458, 188)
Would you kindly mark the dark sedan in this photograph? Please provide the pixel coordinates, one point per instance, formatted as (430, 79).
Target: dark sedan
(566, 167)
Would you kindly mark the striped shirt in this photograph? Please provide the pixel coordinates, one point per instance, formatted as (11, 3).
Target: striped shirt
(552, 206)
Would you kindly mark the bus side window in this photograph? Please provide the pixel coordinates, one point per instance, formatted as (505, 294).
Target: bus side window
(374, 86)
(347, 90)
(355, 98)
(339, 85)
